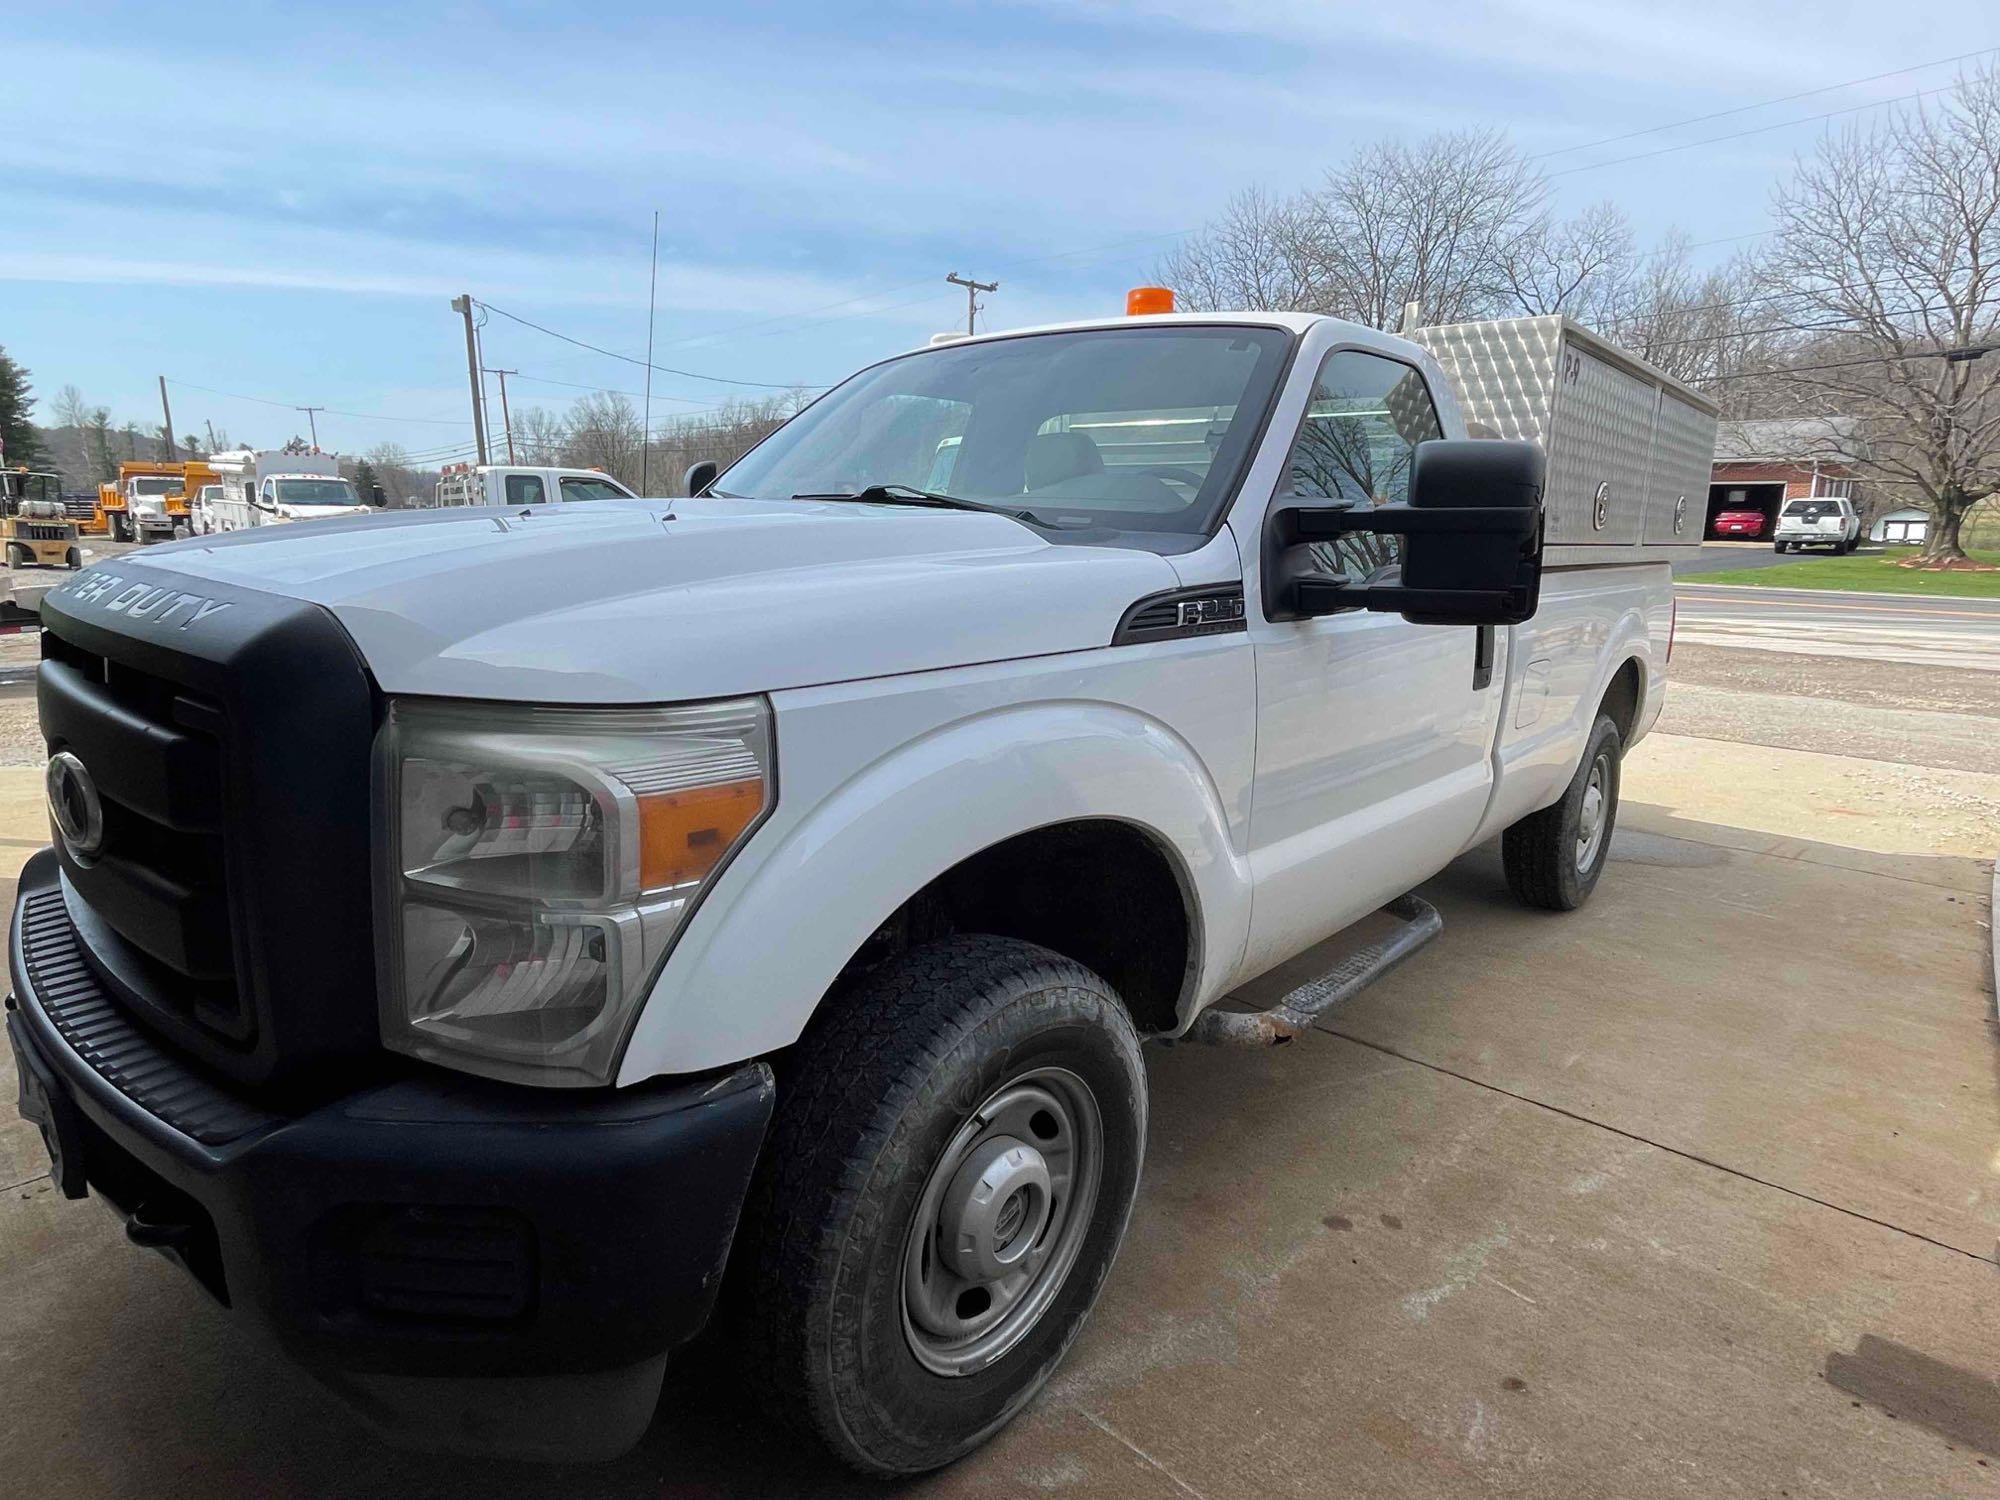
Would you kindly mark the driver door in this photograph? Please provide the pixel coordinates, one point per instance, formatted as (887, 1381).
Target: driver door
(1373, 749)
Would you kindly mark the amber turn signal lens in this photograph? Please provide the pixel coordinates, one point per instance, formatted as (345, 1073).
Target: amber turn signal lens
(1148, 299)
(683, 835)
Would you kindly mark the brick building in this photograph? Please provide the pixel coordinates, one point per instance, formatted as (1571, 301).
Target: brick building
(1763, 462)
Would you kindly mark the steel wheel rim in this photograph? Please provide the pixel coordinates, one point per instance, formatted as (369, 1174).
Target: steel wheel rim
(1001, 1221)
(1593, 817)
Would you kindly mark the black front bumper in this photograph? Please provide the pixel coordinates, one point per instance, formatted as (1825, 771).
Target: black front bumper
(508, 1248)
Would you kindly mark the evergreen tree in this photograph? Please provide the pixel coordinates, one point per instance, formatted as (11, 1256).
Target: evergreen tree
(18, 437)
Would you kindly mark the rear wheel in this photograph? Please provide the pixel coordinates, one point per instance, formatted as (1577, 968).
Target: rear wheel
(73, 559)
(943, 1192)
(1553, 857)
(1777, 546)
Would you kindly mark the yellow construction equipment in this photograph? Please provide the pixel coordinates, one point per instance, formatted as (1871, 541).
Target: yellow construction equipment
(34, 527)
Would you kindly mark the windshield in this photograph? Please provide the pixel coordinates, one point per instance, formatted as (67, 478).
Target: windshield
(156, 486)
(316, 492)
(1135, 429)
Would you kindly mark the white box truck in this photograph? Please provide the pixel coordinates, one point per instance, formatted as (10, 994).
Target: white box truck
(269, 489)
(771, 890)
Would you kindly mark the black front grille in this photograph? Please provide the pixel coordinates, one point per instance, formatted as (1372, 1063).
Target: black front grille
(227, 733)
(48, 531)
(161, 881)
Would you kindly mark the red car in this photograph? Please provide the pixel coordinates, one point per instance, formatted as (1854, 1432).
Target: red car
(1747, 523)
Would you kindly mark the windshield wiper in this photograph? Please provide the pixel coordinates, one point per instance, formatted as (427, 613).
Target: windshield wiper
(903, 494)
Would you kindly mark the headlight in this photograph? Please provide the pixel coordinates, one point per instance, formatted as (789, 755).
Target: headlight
(538, 863)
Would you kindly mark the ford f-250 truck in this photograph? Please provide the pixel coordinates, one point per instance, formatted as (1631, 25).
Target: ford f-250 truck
(753, 904)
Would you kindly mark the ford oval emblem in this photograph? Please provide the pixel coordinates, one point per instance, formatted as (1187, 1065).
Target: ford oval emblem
(75, 805)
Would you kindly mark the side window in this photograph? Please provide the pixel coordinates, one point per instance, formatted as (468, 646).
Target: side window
(591, 489)
(525, 489)
(1357, 442)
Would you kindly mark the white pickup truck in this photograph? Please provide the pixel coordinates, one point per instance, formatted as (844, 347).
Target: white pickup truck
(757, 901)
(522, 484)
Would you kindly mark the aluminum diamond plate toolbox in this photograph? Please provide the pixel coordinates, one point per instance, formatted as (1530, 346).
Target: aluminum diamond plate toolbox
(1629, 447)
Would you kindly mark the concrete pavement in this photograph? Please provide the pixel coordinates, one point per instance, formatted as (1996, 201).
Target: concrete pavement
(1915, 630)
(1568, 1205)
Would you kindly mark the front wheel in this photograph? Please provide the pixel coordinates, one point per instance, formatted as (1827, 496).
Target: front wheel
(1553, 857)
(942, 1195)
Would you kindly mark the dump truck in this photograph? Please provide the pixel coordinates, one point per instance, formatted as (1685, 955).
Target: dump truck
(149, 501)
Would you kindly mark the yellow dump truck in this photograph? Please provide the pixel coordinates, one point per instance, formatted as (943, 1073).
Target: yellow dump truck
(149, 503)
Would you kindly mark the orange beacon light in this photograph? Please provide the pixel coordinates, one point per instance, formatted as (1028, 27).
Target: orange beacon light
(1148, 299)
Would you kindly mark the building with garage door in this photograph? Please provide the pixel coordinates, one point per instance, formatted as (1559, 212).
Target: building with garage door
(1760, 463)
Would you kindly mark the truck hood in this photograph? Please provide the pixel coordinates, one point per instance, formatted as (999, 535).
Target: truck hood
(649, 601)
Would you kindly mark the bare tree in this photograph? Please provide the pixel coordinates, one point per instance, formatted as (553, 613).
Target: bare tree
(604, 432)
(724, 434)
(1249, 257)
(1439, 223)
(539, 435)
(1434, 224)
(398, 477)
(1887, 259)
(1584, 266)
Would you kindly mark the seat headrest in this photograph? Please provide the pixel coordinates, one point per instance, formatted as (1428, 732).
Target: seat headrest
(1055, 456)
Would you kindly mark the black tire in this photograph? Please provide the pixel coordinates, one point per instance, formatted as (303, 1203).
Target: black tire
(17, 555)
(73, 559)
(1777, 546)
(883, 1086)
(1544, 853)
(121, 528)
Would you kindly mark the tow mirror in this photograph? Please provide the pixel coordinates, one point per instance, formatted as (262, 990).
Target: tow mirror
(700, 476)
(1472, 542)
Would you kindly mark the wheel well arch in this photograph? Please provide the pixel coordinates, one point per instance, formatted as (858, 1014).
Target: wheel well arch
(1102, 891)
(1623, 695)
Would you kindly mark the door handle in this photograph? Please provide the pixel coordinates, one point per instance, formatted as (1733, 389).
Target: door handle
(1482, 657)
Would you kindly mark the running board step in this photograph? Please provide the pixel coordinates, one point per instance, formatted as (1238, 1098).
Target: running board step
(1297, 1011)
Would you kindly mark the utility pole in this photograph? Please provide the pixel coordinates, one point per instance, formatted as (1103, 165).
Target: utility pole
(463, 306)
(506, 420)
(972, 291)
(167, 412)
(311, 425)
(209, 427)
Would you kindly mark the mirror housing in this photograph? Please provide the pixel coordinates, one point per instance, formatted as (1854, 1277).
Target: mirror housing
(1472, 551)
(700, 475)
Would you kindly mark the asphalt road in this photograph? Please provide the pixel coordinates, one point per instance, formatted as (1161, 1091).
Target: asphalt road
(1911, 630)
(1725, 557)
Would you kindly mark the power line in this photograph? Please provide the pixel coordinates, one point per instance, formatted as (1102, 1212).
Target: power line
(767, 385)
(1712, 140)
(576, 385)
(1741, 109)
(1730, 304)
(1970, 351)
(1842, 324)
(366, 416)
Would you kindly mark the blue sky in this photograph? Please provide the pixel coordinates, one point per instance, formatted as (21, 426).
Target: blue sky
(280, 205)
